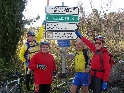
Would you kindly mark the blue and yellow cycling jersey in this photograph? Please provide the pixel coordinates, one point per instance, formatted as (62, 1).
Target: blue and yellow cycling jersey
(79, 62)
(30, 48)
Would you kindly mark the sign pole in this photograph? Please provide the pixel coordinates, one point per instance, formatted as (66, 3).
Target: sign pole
(63, 60)
(60, 25)
(47, 2)
(63, 55)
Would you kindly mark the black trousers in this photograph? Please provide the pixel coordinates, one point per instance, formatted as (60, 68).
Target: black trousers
(44, 88)
(27, 81)
(96, 84)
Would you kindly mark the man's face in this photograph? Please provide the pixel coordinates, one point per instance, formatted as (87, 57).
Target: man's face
(98, 44)
(30, 38)
(44, 48)
(78, 46)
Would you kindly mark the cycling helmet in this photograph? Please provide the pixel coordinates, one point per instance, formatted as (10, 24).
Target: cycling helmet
(44, 43)
(99, 37)
(30, 32)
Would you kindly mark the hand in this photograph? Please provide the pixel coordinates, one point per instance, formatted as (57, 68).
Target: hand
(41, 66)
(28, 71)
(44, 22)
(87, 69)
(104, 86)
(27, 63)
(62, 75)
(78, 33)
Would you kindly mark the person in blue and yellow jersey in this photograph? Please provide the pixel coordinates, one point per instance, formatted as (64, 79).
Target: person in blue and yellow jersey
(81, 66)
(28, 49)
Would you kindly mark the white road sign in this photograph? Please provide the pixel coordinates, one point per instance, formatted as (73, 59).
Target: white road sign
(60, 26)
(60, 35)
(62, 10)
(61, 22)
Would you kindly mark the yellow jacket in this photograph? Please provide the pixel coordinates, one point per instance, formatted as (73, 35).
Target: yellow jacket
(24, 47)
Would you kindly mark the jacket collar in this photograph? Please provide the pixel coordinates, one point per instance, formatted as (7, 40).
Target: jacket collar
(101, 50)
(44, 53)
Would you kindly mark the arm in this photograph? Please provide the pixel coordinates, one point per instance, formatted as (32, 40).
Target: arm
(32, 63)
(54, 68)
(22, 53)
(39, 35)
(106, 67)
(89, 44)
(54, 64)
(86, 41)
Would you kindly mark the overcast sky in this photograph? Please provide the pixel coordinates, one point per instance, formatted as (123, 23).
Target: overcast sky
(37, 7)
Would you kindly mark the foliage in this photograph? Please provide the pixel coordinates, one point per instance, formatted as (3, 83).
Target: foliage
(117, 76)
(11, 24)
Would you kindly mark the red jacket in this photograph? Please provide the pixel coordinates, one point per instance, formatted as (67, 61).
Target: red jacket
(96, 61)
(42, 76)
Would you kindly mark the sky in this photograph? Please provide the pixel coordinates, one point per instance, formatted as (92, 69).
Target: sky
(37, 7)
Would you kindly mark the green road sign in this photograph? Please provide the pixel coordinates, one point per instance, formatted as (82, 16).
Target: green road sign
(62, 18)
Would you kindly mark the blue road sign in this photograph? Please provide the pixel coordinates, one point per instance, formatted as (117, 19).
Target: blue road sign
(63, 43)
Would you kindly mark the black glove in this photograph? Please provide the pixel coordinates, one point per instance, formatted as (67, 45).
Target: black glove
(41, 66)
(54, 73)
(62, 75)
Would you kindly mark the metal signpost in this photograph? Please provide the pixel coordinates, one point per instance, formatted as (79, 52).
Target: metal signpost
(60, 25)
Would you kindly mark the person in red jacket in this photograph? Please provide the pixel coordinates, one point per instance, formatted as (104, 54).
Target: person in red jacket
(43, 65)
(100, 71)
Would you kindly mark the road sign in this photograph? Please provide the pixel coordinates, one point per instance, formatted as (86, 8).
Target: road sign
(62, 10)
(63, 43)
(62, 18)
(61, 26)
(61, 22)
(60, 35)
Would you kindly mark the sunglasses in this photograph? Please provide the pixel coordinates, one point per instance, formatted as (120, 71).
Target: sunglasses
(30, 35)
(98, 43)
(44, 47)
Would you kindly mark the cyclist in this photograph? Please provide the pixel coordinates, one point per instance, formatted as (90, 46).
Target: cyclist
(43, 65)
(28, 50)
(100, 70)
(82, 74)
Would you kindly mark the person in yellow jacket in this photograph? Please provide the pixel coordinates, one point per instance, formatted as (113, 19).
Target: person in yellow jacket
(28, 50)
(82, 76)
